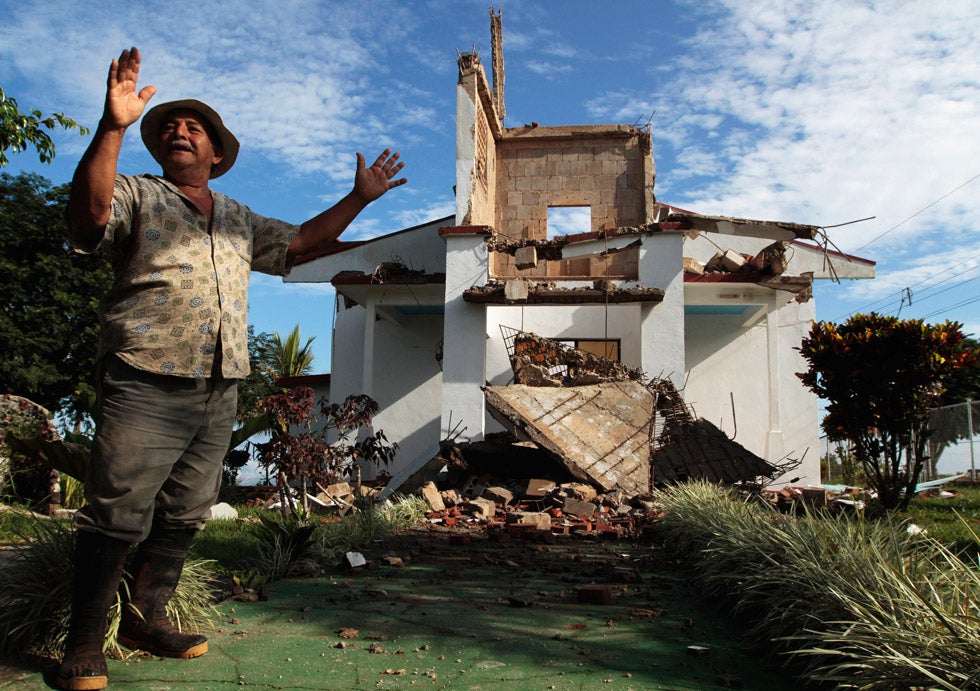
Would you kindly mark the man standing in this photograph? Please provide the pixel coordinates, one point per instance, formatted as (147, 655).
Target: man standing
(174, 344)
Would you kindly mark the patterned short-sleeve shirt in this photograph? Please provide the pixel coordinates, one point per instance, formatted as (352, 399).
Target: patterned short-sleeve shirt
(181, 284)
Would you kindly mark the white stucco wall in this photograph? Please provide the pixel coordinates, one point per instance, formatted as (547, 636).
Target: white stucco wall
(774, 415)
(408, 386)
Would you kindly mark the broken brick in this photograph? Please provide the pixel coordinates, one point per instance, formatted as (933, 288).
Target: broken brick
(595, 594)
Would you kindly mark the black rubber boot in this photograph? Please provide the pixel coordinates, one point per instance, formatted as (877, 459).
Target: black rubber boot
(99, 562)
(144, 624)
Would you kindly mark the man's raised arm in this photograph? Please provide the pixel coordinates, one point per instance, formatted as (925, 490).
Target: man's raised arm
(369, 184)
(94, 180)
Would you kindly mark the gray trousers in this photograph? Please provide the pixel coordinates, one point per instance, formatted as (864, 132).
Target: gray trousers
(157, 452)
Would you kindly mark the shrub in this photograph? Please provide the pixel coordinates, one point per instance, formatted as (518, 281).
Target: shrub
(859, 603)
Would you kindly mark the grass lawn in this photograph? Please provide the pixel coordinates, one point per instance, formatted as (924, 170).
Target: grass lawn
(954, 521)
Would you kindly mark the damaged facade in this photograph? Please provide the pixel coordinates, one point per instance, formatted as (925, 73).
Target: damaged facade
(426, 316)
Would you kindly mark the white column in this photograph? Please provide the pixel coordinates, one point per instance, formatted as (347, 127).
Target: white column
(464, 343)
(775, 444)
(662, 324)
(367, 376)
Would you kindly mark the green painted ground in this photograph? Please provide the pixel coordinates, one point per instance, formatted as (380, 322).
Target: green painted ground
(476, 616)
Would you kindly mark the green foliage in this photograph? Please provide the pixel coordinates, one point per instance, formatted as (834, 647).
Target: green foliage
(282, 542)
(858, 603)
(262, 545)
(299, 450)
(261, 381)
(287, 358)
(19, 130)
(358, 530)
(35, 601)
(880, 376)
(49, 298)
(966, 385)
(954, 521)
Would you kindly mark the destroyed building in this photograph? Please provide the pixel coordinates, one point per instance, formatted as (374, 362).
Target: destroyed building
(715, 305)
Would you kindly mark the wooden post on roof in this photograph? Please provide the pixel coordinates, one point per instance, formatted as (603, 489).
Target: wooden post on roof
(497, 60)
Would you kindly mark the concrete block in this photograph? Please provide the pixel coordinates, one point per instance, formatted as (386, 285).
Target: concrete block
(580, 490)
(531, 519)
(482, 509)
(693, 266)
(501, 495)
(732, 260)
(576, 507)
(516, 289)
(526, 257)
(536, 489)
(431, 494)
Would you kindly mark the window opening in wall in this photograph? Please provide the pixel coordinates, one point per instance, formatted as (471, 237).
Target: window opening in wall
(569, 220)
(605, 348)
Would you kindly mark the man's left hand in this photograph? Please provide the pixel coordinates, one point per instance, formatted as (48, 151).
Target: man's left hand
(371, 183)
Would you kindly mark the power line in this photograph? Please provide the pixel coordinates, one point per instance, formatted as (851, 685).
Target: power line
(928, 206)
(899, 296)
(952, 307)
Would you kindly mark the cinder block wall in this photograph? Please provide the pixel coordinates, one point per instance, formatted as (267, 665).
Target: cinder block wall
(605, 167)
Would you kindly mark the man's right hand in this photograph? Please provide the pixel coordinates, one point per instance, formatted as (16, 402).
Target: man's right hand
(123, 104)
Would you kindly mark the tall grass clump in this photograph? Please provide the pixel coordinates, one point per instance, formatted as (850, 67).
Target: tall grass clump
(857, 603)
(36, 588)
(332, 540)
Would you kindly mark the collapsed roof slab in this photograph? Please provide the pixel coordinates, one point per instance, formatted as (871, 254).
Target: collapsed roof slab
(600, 433)
(699, 450)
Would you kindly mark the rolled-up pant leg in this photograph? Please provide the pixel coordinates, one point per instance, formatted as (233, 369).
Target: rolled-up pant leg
(157, 451)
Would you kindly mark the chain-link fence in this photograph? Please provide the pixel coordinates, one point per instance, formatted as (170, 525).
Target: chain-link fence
(954, 447)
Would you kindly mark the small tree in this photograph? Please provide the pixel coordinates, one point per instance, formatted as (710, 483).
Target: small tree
(298, 450)
(19, 130)
(880, 376)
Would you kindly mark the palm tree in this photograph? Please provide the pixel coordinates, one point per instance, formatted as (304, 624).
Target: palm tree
(287, 359)
(276, 358)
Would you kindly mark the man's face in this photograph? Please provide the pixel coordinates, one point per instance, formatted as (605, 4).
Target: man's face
(186, 145)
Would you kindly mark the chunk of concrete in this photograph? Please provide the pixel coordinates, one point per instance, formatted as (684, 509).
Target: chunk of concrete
(532, 519)
(579, 490)
(223, 512)
(501, 495)
(431, 494)
(526, 257)
(600, 432)
(538, 489)
(576, 507)
(480, 508)
(516, 289)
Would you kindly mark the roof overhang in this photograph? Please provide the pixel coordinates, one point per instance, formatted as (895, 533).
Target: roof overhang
(726, 225)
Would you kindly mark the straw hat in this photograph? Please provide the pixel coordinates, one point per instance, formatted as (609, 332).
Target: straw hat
(153, 121)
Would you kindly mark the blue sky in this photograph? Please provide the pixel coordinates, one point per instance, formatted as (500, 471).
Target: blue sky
(818, 113)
